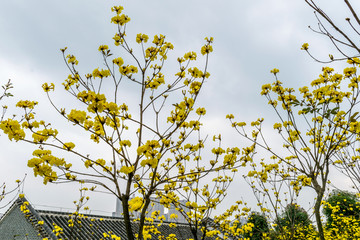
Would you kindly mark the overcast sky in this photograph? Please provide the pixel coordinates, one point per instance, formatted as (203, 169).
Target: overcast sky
(251, 38)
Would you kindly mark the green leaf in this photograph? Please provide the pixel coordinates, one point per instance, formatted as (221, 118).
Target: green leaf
(353, 117)
(335, 110)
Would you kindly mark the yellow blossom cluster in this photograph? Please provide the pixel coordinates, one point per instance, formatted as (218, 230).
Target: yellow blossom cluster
(150, 151)
(13, 129)
(43, 162)
(135, 204)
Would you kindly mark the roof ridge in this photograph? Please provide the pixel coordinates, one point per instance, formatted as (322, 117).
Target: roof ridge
(52, 212)
(32, 217)
(40, 211)
(42, 228)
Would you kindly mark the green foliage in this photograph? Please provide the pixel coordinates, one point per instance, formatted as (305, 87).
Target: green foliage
(261, 226)
(6, 89)
(292, 218)
(347, 203)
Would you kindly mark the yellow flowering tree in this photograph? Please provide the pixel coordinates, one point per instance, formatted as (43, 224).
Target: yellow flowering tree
(200, 197)
(315, 126)
(344, 40)
(275, 187)
(152, 150)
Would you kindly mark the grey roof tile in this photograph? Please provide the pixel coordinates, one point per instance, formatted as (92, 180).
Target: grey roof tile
(16, 223)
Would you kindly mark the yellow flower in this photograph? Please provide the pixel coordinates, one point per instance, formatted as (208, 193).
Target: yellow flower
(206, 49)
(348, 72)
(172, 225)
(101, 162)
(173, 216)
(201, 111)
(26, 104)
(209, 39)
(305, 46)
(127, 170)
(118, 40)
(77, 116)
(101, 73)
(13, 129)
(274, 71)
(118, 61)
(241, 124)
(69, 146)
(141, 38)
(190, 56)
(117, 9)
(102, 48)
(72, 59)
(135, 204)
(128, 70)
(120, 19)
(229, 116)
(47, 88)
(125, 143)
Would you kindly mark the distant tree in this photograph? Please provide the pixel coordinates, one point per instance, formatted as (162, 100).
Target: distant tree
(293, 219)
(341, 210)
(261, 226)
(347, 204)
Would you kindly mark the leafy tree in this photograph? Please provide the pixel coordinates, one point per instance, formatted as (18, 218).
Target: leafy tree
(347, 205)
(293, 222)
(144, 150)
(341, 210)
(260, 226)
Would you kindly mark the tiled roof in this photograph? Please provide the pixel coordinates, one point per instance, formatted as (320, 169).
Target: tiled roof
(85, 226)
(14, 224)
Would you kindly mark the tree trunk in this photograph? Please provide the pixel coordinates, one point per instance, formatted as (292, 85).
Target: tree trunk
(194, 233)
(125, 203)
(142, 217)
(320, 194)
